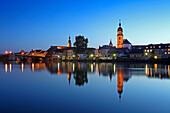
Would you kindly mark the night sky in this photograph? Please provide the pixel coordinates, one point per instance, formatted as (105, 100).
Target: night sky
(38, 24)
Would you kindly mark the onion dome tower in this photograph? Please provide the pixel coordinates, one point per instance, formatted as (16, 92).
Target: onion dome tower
(69, 42)
(119, 36)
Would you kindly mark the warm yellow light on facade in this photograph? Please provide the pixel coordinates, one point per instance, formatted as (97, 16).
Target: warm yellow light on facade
(59, 47)
(155, 57)
(146, 53)
(10, 52)
(6, 52)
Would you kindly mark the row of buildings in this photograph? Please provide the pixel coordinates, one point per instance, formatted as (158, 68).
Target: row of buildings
(124, 49)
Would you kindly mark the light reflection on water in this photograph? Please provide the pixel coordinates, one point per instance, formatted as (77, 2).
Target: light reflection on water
(81, 74)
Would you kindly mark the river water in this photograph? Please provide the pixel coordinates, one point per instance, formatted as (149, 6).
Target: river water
(76, 87)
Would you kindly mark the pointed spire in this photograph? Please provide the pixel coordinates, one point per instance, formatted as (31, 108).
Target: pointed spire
(69, 37)
(110, 41)
(119, 22)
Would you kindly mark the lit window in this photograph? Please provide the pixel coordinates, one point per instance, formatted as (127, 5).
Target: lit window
(151, 50)
(159, 46)
(165, 52)
(153, 46)
(168, 49)
(146, 47)
(148, 50)
(146, 53)
(145, 50)
(150, 46)
(168, 52)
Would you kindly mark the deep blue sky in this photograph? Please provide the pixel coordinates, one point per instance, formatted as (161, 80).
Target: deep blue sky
(33, 24)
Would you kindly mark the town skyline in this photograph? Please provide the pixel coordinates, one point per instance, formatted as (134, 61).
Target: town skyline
(26, 27)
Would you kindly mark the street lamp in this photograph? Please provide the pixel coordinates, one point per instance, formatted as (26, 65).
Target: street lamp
(6, 52)
(155, 57)
(114, 55)
(91, 55)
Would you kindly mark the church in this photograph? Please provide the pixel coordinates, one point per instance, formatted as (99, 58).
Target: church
(122, 43)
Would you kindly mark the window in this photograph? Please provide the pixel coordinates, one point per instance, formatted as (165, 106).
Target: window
(165, 53)
(159, 46)
(150, 46)
(153, 46)
(119, 38)
(146, 47)
(150, 50)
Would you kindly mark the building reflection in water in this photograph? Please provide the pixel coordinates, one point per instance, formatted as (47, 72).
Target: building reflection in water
(32, 67)
(78, 71)
(120, 81)
(6, 67)
(10, 67)
(22, 67)
(157, 71)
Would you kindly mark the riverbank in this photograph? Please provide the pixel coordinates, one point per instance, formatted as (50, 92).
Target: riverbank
(164, 61)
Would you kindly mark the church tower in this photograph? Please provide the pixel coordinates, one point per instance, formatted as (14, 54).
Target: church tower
(69, 42)
(119, 36)
(110, 44)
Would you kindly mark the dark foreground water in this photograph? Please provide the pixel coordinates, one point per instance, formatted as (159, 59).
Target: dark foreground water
(84, 87)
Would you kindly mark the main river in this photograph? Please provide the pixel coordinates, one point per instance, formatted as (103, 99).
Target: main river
(68, 87)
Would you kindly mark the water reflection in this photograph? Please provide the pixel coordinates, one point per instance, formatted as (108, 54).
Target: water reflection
(157, 71)
(79, 71)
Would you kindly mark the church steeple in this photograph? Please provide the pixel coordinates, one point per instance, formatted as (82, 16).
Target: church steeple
(119, 36)
(119, 23)
(69, 42)
(110, 44)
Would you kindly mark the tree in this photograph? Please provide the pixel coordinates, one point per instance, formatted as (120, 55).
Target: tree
(113, 52)
(80, 44)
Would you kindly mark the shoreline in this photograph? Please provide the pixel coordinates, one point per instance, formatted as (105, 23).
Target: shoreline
(163, 61)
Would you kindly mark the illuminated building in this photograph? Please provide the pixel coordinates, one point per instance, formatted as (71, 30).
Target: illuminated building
(157, 51)
(69, 42)
(119, 36)
(126, 44)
